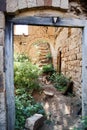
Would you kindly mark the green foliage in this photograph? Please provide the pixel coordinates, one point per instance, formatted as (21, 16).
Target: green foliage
(21, 58)
(49, 56)
(25, 80)
(25, 107)
(84, 124)
(26, 74)
(48, 68)
(84, 121)
(60, 81)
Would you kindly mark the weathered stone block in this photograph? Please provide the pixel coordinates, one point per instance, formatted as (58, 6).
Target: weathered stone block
(2, 20)
(64, 4)
(73, 57)
(1, 36)
(34, 122)
(22, 4)
(40, 2)
(2, 112)
(56, 3)
(79, 56)
(72, 46)
(1, 58)
(12, 5)
(47, 2)
(31, 3)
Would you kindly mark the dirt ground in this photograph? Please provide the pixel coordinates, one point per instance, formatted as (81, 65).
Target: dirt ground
(63, 112)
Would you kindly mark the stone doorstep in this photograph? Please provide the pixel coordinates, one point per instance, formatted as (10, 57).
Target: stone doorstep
(34, 122)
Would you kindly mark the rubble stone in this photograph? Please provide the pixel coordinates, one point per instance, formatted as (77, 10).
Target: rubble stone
(34, 122)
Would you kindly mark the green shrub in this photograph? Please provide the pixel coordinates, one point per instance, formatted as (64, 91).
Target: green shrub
(26, 75)
(48, 68)
(25, 107)
(60, 81)
(25, 81)
(21, 58)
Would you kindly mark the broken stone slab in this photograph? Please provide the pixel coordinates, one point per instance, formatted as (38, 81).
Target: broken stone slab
(34, 122)
(48, 93)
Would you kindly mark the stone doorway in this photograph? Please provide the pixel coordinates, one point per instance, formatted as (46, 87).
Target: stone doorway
(64, 45)
(9, 52)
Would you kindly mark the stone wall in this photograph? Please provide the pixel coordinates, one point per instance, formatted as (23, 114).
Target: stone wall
(2, 75)
(34, 44)
(17, 5)
(70, 45)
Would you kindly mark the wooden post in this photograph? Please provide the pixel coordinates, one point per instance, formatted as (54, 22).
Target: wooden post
(59, 62)
(9, 84)
(84, 72)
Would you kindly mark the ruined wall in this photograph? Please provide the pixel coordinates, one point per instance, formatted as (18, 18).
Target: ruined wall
(37, 42)
(70, 45)
(2, 74)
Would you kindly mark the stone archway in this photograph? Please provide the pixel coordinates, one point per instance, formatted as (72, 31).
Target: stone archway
(40, 51)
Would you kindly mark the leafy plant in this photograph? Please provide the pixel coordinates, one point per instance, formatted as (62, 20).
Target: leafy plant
(25, 107)
(48, 68)
(25, 80)
(60, 81)
(21, 58)
(49, 56)
(26, 75)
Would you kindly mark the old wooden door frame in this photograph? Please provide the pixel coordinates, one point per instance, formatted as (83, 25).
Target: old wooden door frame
(39, 21)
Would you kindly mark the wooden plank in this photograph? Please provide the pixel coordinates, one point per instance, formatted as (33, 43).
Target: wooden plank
(2, 5)
(84, 73)
(48, 21)
(10, 103)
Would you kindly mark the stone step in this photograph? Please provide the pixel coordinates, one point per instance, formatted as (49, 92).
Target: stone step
(43, 48)
(42, 58)
(40, 65)
(44, 61)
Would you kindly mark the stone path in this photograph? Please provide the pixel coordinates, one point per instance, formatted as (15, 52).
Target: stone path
(62, 111)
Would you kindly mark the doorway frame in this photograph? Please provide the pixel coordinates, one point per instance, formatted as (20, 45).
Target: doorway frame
(9, 71)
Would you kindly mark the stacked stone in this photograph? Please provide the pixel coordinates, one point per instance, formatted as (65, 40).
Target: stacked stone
(71, 48)
(15, 5)
(2, 85)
